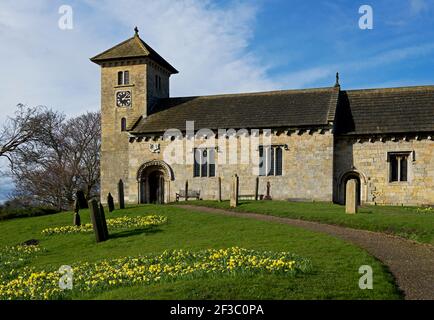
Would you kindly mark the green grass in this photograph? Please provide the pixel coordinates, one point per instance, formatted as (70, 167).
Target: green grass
(335, 262)
(401, 221)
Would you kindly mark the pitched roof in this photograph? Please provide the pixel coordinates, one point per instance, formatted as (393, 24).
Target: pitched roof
(133, 48)
(291, 108)
(391, 110)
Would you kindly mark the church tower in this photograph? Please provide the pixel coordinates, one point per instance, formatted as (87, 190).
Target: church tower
(133, 78)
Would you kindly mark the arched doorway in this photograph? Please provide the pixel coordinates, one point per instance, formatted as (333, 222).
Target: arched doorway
(153, 180)
(353, 175)
(156, 187)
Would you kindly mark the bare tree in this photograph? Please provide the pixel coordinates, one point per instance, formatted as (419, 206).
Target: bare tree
(19, 130)
(62, 158)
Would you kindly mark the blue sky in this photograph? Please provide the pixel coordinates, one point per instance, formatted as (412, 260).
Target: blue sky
(218, 46)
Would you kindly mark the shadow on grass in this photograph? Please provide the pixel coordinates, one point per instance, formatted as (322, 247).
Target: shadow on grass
(134, 232)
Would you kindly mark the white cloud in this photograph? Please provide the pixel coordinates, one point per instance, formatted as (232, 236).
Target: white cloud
(208, 45)
(418, 6)
(45, 65)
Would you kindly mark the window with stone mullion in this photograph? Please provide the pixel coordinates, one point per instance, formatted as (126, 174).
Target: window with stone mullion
(204, 163)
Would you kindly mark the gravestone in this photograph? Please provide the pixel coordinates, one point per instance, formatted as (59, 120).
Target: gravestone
(121, 194)
(257, 189)
(97, 223)
(219, 181)
(103, 221)
(268, 196)
(351, 197)
(186, 190)
(81, 199)
(234, 191)
(110, 202)
(76, 220)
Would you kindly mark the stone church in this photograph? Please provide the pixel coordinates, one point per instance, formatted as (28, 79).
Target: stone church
(318, 139)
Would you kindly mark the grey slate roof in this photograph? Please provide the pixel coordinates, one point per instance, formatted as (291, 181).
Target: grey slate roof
(133, 48)
(291, 108)
(382, 111)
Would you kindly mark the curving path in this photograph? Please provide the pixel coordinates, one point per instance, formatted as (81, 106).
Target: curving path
(411, 263)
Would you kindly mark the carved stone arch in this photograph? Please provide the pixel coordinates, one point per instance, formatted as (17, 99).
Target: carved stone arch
(362, 184)
(156, 164)
(153, 182)
(345, 174)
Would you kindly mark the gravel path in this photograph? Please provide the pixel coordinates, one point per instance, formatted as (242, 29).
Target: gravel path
(411, 263)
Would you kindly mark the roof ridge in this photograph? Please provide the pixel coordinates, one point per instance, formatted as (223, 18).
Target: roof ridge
(109, 49)
(334, 100)
(273, 92)
(406, 88)
(142, 44)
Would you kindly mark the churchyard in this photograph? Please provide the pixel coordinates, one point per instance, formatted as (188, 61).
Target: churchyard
(414, 223)
(170, 252)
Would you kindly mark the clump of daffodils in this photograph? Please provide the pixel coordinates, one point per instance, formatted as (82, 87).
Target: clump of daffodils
(12, 258)
(142, 270)
(425, 210)
(114, 223)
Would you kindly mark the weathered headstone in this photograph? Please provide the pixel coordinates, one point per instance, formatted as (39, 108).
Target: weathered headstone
(77, 220)
(186, 190)
(103, 221)
(219, 181)
(257, 189)
(110, 202)
(351, 197)
(268, 196)
(81, 199)
(121, 194)
(97, 223)
(234, 191)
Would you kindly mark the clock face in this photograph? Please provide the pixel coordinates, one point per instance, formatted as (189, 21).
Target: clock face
(123, 98)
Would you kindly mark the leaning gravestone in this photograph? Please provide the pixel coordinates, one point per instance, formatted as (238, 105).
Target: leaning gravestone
(81, 199)
(77, 220)
(121, 194)
(97, 223)
(234, 191)
(110, 202)
(103, 221)
(351, 197)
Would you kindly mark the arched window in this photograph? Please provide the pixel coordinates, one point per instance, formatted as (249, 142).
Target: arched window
(123, 78)
(123, 124)
(126, 77)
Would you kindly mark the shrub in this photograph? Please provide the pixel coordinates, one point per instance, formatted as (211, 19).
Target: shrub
(24, 212)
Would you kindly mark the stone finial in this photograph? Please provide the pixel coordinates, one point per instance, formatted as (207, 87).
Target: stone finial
(136, 31)
(337, 80)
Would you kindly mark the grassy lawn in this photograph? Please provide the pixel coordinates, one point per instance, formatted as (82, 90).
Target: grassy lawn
(335, 262)
(402, 221)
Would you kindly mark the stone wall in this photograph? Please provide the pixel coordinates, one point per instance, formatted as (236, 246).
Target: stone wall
(307, 171)
(114, 143)
(370, 161)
